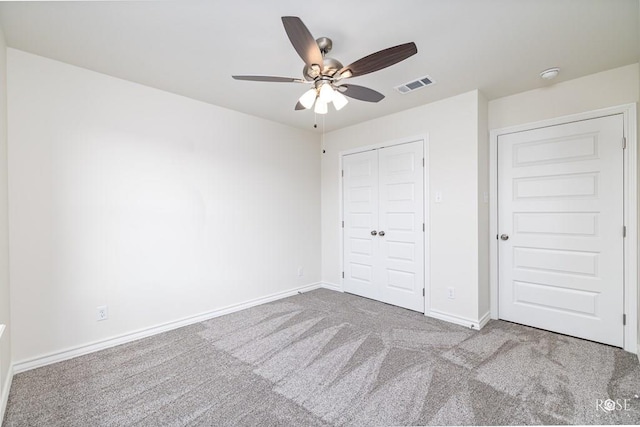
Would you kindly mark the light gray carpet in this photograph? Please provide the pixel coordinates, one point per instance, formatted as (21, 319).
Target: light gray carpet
(327, 358)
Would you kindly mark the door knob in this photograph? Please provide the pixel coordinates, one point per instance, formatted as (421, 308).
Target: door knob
(374, 232)
(504, 237)
(381, 234)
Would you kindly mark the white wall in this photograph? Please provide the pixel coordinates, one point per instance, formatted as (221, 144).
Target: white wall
(159, 206)
(453, 230)
(606, 89)
(5, 338)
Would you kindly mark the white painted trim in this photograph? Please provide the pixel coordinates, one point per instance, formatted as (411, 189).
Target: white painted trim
(484, 319)
(628, 111)
(631, 222)
(4, 392)
(399, 141)
(72, 352)
(493, 222)
(331, 286)
(426, 217)
(425, 208)
(4, 388)
(341, 225)
(462, 321)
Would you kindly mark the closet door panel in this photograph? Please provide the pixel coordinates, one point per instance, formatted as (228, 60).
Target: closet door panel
(360, 203)
(400, 269)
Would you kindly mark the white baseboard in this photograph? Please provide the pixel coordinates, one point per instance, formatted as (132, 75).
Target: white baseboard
(4, 393)
(484, 319)
(72, 352)
(332, 286)
(458, 320)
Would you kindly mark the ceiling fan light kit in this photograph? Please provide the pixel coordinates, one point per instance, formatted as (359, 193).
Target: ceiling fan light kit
(308, 98)
(326, 93)
(326, 74)
(323, 96)
(321, 107)
(339, 100)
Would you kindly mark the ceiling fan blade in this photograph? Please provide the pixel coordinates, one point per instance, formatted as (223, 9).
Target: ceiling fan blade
(382, 59)
(300, 106)
(270, 79)
(302, 40)
(362, 93)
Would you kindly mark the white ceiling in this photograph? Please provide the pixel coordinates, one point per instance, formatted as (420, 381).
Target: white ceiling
(192, 48)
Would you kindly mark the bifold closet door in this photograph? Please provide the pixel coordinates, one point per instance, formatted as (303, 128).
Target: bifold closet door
(360, 193)
(401, 219)
(383, 215)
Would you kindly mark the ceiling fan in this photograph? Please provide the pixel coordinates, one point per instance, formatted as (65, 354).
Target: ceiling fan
(326, 74)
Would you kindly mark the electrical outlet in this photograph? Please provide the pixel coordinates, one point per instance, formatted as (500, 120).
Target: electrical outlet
(451, 293)
(300, 272)
(438, 197)
(103, 313)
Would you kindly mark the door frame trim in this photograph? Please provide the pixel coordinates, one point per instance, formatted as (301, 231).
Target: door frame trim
(425, 208)
(630, 202)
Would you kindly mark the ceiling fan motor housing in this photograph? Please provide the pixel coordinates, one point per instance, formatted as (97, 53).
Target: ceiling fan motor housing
(330, 66)
(325, 44)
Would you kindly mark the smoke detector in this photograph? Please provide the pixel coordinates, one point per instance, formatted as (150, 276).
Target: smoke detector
(550, 74)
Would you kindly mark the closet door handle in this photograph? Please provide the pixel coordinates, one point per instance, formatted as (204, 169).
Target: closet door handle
(374, 232)
(381, 234)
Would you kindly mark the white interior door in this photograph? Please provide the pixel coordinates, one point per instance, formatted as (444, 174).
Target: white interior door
(560, 214)
(383, 192)
(400, 226)
(360, 195)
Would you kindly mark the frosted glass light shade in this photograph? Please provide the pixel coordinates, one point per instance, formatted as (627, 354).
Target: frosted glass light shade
(326, 93)
(321, 107)
(339, 100)
(308, 98)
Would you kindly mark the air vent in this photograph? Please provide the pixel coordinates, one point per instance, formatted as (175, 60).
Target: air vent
(415, 85)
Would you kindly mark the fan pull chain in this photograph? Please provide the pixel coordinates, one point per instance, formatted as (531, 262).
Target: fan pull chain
(322, 136)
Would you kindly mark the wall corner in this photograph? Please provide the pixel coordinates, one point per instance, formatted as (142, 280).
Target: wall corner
(6, 373)
(483, 205)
